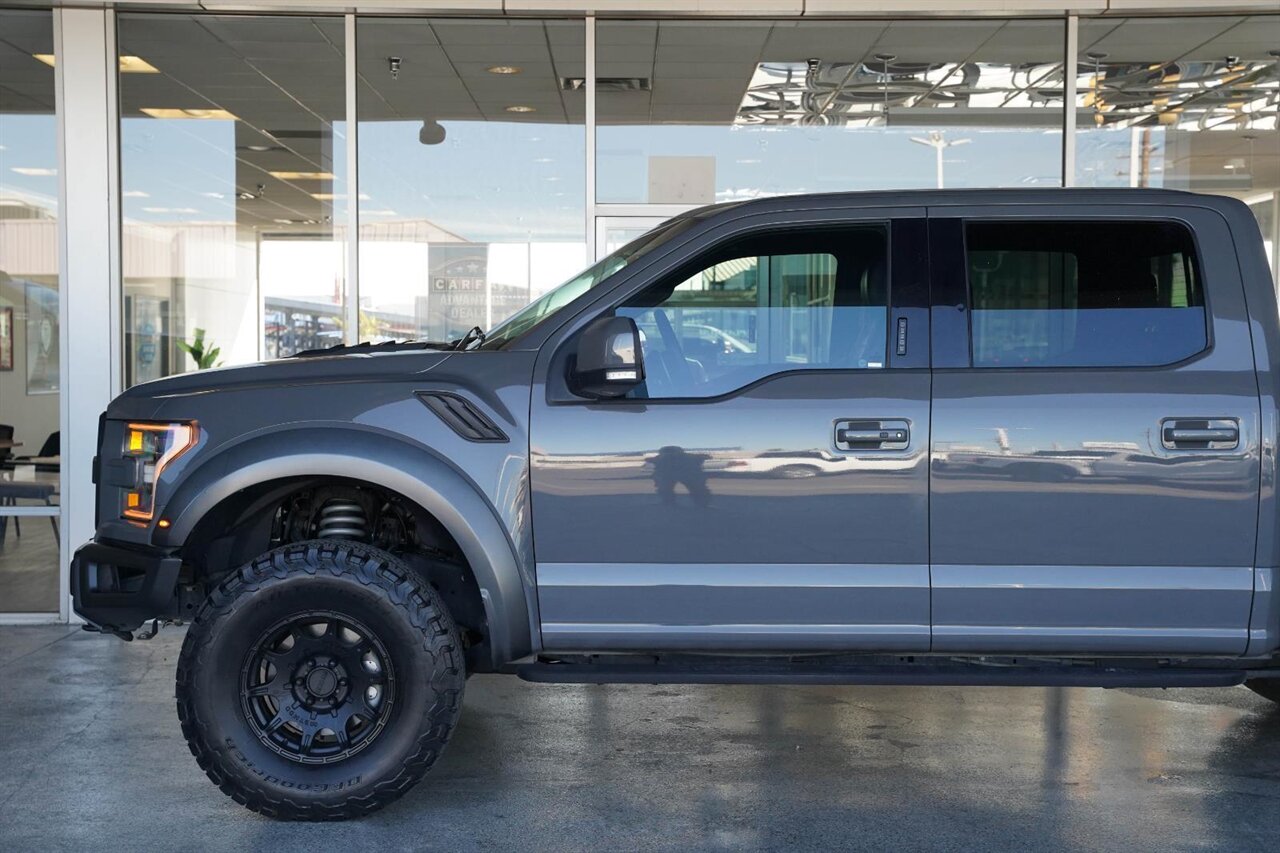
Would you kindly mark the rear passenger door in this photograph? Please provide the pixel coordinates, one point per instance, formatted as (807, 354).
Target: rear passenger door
(1095, 450)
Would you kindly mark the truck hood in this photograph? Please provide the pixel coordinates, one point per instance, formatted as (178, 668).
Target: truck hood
(144, 400)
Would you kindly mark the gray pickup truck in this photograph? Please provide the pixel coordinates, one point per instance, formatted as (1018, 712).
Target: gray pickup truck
(984, 437)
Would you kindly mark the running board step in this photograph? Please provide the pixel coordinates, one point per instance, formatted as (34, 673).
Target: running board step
(972, 675)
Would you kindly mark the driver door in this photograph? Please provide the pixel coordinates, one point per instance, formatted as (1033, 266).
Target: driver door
(766, 487)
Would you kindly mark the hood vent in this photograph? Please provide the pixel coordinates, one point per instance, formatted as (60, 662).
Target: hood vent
(461, 415)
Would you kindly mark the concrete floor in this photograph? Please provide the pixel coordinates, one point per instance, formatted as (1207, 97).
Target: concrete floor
(28, 567)
(91, 758)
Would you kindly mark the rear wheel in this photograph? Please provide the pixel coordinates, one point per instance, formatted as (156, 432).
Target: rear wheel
(1267, 688)
(319, 682)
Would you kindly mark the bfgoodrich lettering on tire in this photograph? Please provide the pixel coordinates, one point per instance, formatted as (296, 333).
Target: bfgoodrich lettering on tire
(319, 682)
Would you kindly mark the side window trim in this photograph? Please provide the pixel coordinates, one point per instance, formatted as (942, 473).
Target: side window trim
(910, 338)
(949, 299)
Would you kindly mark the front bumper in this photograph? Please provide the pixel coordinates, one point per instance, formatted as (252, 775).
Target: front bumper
(116, 589)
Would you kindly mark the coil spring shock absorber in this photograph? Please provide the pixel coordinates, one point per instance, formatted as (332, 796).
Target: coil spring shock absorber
(341, 518)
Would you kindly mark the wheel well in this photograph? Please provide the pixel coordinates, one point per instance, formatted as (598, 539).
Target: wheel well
(279, 512)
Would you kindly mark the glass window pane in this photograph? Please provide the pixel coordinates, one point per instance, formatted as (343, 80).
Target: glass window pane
(30, 373)
(472, 162)
(696, 111)
(233, 181)
(765, 305)
(1180, 103)
(1083, 294)
(29, 562)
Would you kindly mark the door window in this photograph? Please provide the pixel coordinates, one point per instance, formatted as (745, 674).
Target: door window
(1083, 294)
(765, 305)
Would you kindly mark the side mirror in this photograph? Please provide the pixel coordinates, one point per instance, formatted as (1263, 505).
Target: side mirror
(609, 362)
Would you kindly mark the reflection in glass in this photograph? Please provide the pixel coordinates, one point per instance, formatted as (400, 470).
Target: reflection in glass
(232, 177)
(30, 372)
(695, 112)
(1078, 294)
(472, 155)
(1180, 103)
(767, 305)
(557, 298)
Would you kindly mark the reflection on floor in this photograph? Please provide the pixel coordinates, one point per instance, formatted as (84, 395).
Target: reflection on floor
(29, 567)
(91, 757)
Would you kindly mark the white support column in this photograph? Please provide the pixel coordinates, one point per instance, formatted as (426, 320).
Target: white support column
(351, 288)
(1071, 50)
(589, 76)
(89, 263)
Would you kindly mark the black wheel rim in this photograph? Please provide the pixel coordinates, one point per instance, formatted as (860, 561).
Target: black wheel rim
(317, 687)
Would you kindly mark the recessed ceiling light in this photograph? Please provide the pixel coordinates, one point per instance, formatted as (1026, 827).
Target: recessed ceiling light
(136, 65)
(503, 69)
(261, 147)
(521, 108)
(177, 112)
(302, 176)
(128, 64)
(283, 221)
(35, 171)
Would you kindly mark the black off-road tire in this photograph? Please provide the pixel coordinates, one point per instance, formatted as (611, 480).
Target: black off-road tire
(1267, 688)
(355, 585)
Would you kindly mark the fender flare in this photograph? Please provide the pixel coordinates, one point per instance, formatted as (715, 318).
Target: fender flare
(413, 471)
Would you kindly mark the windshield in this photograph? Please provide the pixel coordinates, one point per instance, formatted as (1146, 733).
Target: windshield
(552, 301)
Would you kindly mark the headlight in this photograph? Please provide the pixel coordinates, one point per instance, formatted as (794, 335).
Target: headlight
(154, 446)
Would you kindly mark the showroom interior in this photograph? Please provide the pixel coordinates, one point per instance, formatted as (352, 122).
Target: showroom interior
(184, 189)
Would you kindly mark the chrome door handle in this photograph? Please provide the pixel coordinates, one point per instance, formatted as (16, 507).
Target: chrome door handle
(873, 435)
(1200, 434)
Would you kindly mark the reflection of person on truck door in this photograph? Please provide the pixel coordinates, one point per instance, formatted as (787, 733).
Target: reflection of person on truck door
(672, 466)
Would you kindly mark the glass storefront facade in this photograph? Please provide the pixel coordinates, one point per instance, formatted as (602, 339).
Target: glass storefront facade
(233, 189)
(471, 164)
(288, 182)
(30, 368)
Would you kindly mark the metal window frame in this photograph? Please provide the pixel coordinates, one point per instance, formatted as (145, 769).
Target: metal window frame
(1070, 70)
(351, 284)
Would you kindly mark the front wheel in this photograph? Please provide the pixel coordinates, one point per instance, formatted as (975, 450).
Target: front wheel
(319, 682)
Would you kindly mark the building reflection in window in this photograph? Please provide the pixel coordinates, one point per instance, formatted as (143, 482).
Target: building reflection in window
(472, 153)
(232, 150)
(696, 112)
(1185, 103)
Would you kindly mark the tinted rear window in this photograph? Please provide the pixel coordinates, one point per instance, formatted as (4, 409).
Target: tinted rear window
(1083, 294)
